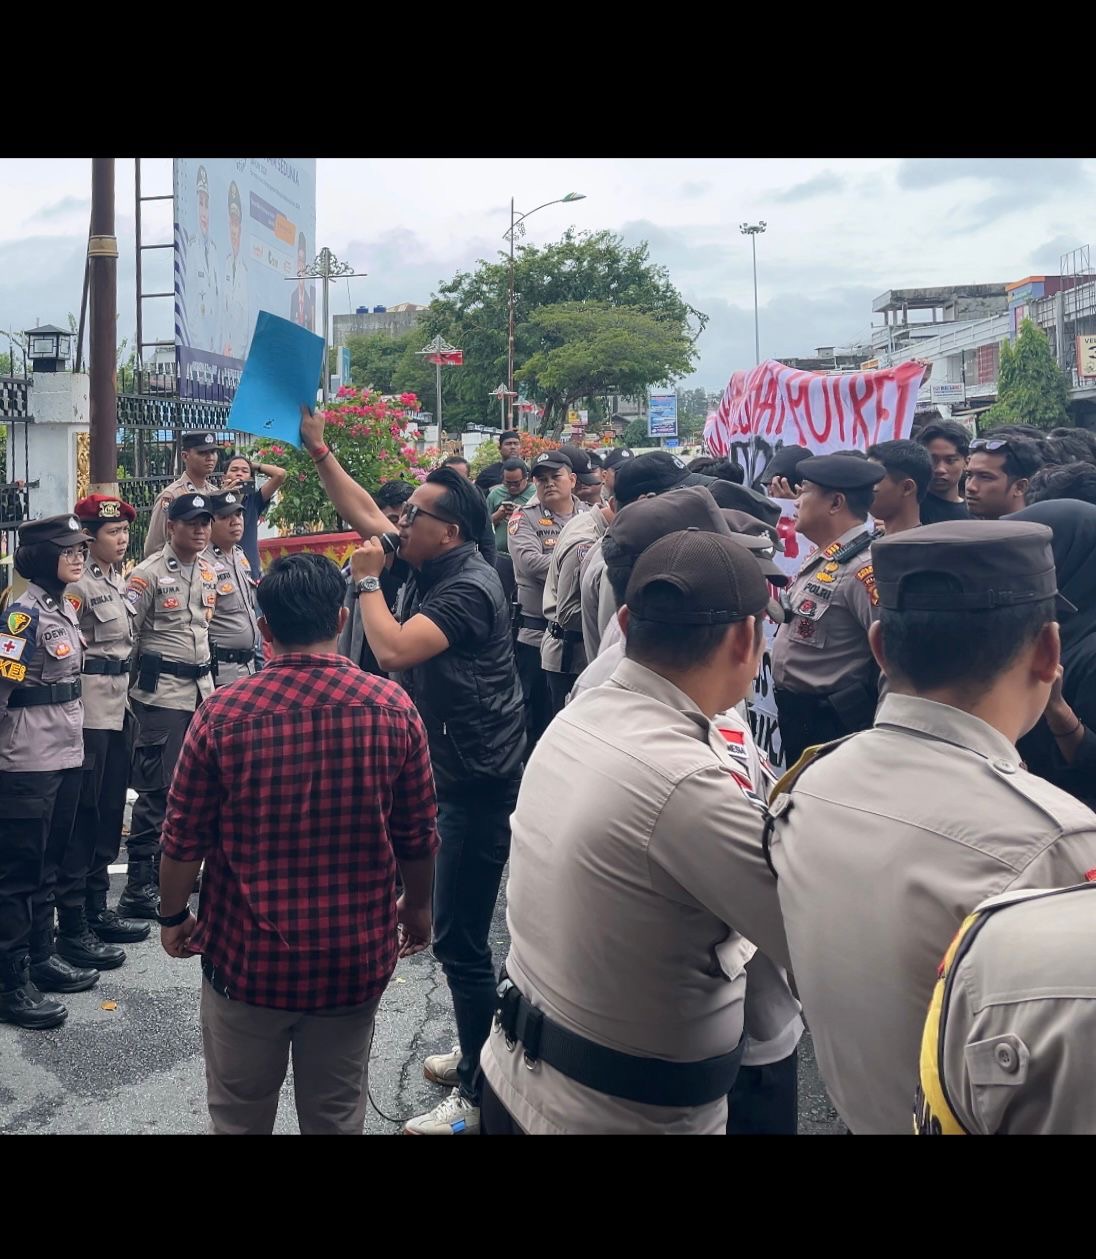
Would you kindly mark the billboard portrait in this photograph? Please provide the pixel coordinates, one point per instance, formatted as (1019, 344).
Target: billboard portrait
(244, 228)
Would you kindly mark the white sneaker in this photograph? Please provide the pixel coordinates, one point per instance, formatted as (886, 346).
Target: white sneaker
(442, 1068)
(455, 1117)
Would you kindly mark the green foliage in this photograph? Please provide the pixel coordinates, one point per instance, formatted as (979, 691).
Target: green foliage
(488, 452)
(587, 347)
(1031, 389)
(636, 434)
(591, 268)
(366, 433)
(375, 358)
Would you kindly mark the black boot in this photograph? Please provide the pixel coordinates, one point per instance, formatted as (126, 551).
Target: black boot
(141, 896)
(23, 1004)
(54, 974)
(111, 929)
(78, 945)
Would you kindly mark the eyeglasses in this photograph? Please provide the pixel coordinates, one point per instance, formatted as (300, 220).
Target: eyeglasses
(75, 552)
(413, 510)
(992, 444)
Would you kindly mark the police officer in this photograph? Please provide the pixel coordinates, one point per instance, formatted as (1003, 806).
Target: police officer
(826, 681)
(237, 329)
(532, 532)
(174, 597)
(885, 841)
(234, 630)
(200, 454)
(106, 622)
(203, 290)
(41, 752)
(1011, 1032)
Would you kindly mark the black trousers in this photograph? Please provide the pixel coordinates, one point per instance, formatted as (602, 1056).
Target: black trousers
(157, 743)
(559, 687)
(40, 863)
(806, 720)
(765, 1100)
(495, 1119)
(103, 801)
(534, 691)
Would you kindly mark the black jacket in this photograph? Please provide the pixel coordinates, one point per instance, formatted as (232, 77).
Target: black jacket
(469, 696)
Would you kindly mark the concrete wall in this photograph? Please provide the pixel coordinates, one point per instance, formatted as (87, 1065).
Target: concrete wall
(60, 404)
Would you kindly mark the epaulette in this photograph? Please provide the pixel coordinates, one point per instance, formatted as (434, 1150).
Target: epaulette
(780, 799)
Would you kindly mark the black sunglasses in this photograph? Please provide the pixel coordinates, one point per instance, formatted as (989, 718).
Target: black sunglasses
(992, 444)
(412, 510)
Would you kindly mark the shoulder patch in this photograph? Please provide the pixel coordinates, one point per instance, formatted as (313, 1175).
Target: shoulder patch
(75, 602)
(19, 620)
(515, 523)
(746, 787)
(866, 577)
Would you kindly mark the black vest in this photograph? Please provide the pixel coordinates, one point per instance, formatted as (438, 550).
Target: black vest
(469, 696)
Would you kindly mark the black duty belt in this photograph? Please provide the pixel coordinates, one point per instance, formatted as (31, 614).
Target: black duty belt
(31, 696)
(111, 668)
(234, 655)
(555, 630)
(533, 622)
(652, 1081)
(178, 669)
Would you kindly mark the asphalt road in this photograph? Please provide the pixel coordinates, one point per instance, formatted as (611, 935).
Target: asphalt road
(136, 1067)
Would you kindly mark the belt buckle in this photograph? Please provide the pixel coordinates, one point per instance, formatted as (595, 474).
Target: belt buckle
(501, 991)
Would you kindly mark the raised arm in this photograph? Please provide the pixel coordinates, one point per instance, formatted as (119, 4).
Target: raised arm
(354, 504)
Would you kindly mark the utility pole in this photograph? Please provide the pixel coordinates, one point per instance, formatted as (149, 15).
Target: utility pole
(103, 278)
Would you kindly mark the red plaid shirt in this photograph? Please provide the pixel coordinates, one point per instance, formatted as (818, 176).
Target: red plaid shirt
(300, 787)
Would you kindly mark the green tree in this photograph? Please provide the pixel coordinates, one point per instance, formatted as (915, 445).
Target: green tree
(375, 358)
(635, 435)
(1031, 388)
(596, 268)
(586, 346)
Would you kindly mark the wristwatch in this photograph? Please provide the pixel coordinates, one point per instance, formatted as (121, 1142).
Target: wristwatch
(367, 585)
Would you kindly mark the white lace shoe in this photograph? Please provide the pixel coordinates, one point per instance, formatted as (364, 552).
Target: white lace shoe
(455, 1117)
(442, 1068)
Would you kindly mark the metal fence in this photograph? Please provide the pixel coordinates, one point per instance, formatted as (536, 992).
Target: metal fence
(150, 426)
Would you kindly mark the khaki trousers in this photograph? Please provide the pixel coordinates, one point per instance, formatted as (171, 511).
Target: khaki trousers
(247, 1049)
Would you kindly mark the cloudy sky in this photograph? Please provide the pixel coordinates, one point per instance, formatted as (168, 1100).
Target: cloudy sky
(839, 232)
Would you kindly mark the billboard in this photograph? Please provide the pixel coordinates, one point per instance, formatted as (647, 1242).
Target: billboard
(244, 227)
(662, 415)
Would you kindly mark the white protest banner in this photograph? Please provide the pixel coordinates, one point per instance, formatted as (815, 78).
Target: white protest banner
(772, 406)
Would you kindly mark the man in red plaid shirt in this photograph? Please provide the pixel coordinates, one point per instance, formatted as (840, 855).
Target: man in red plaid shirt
(303, 788)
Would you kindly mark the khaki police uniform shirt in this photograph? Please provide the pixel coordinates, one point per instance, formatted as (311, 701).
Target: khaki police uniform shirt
(824, 643)
(106, 622)
(173, 607)
(533, 532)
(562, 591)
(596, 598)
(41, 646)
(882, 848)
(622, 892)
(156, 537)
(234, 623)
(1019, 1025)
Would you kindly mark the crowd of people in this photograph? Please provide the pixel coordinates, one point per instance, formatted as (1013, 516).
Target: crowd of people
(550, 667)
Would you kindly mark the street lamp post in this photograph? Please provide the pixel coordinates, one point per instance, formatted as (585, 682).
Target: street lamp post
(502, 393)
(517, 227)
(438, 352)
(753, 230)
(326, 267)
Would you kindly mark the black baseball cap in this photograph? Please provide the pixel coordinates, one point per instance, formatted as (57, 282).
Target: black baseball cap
(994, 563)
(580, 464)
(191, 506)
(62, 531)
(635, 527)
(552, 459)
(734, 497)
(226, 504)
(204, 440)
(653, 473)
(784, 463)
(614, 457)
(696, 578)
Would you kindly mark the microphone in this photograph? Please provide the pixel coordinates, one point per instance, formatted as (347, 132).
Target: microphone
(390, 542)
